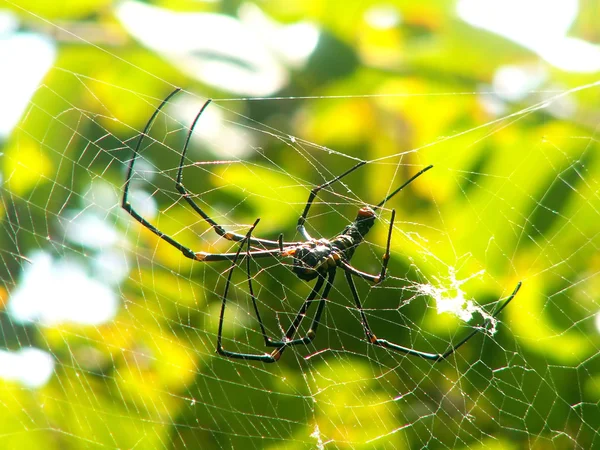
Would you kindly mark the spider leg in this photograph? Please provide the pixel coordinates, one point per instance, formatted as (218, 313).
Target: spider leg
(299, 317)
(288, 341)
(220, 350)
(409, 351)
(268, 243)
(277, 246)
(312, 331)
(211, 257)
(376, 279)
(354, 271)
(413, 178)
(313, 193)
(125, 203)
(268, 341)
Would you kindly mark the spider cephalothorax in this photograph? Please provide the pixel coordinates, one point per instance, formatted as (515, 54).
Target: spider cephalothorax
(318, 259)
(314, 258)
(317, 256)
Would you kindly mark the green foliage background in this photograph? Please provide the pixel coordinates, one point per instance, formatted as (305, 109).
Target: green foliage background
(515, 195)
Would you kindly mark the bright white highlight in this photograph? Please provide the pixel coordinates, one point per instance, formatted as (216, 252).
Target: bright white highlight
(113, 266)
(597, 322)
(383, 17)
(29, 366)
(90, 230)
(292, 43)
(217, 135)
(53, 293)
(8, 22)
(221, 50)
(538, 25)
(26, 58)
(143, 203)
(514, 83)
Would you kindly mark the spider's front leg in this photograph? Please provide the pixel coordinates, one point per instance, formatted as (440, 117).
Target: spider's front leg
(126, 205)
(313, 194)
(265, 243)
(231, 236)
(386, 257)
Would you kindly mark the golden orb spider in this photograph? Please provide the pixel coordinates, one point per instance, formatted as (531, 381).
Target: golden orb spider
(312, 258)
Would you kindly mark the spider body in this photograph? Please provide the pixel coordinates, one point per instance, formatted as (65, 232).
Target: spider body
(313, 259)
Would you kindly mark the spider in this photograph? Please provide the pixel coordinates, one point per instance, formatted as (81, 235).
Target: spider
(312, 258)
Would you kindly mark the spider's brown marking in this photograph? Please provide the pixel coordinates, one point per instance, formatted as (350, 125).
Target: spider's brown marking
(366, 212)
(276, 354)
(289, 252)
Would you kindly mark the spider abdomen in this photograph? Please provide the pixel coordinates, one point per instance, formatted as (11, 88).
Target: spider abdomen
(354, 233)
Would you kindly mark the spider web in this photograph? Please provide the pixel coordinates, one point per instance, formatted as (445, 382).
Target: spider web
(110, 333)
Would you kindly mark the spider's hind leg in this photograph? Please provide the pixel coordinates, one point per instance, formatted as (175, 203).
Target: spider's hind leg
(435, 357)
(289, 340)
(265, 357)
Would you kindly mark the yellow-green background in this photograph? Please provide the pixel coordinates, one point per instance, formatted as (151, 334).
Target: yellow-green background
(514, 196)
